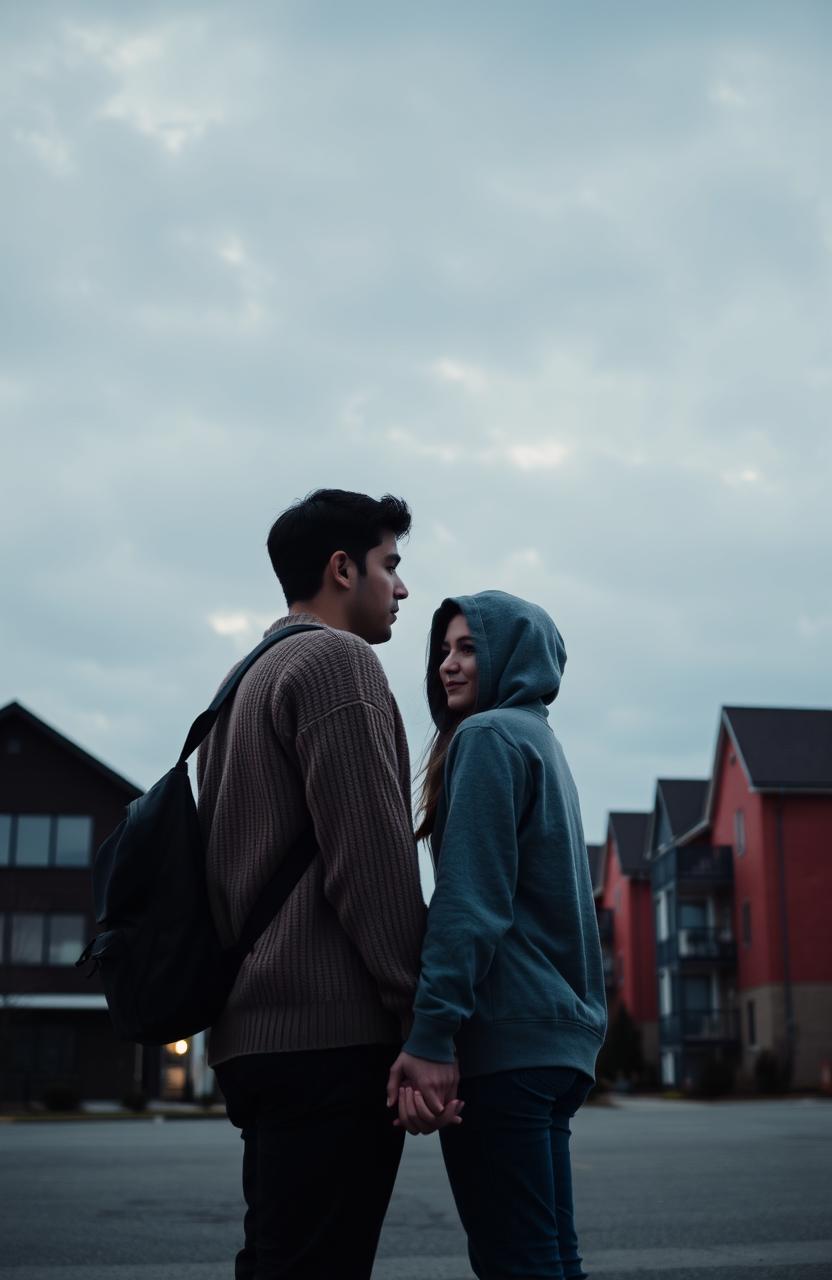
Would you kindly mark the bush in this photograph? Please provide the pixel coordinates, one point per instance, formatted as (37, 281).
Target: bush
(621, 1055)
(61, 1097)
(716, 1077)
(135, 1100)
(771, 1073)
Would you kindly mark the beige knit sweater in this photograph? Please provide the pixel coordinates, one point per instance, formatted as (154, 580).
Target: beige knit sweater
(314, 718)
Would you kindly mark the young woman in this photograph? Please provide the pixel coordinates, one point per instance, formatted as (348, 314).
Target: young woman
(512, 980)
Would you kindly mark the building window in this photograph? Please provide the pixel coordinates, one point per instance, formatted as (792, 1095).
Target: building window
(66, 938)
(752, 1023)
(739, 832)
(661, 918)
(697, 993)
(45, 840)
(73, 839)
(31, 847)
(38, 939)
(26, 939)
(746, 924)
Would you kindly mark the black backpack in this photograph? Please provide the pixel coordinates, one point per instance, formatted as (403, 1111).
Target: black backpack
(163, 969)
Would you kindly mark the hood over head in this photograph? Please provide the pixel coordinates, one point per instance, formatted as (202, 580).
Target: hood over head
(520, 652)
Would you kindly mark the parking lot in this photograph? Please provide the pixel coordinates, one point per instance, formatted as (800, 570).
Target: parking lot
(690, 1191)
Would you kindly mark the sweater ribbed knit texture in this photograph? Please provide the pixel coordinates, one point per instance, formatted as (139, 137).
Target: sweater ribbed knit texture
(314, 729)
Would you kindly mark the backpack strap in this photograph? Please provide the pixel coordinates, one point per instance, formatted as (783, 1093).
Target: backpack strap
(206, 720)
(295, 862)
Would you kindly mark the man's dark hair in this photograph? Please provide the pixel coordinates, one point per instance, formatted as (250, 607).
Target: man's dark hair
(304, 536)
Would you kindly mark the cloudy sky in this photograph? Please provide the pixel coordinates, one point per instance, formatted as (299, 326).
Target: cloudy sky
(557, 272)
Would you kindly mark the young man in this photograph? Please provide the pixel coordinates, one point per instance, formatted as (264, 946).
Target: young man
(323, 1001)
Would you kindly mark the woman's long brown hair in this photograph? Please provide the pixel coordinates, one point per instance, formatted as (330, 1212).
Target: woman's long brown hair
(432, 775)
(433, 770)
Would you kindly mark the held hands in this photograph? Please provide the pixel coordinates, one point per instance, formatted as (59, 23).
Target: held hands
(425, 1092)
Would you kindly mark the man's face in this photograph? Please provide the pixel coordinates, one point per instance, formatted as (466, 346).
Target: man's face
(376, 596)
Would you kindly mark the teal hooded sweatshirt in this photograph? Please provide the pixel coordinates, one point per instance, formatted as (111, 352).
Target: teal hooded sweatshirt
(512, 974)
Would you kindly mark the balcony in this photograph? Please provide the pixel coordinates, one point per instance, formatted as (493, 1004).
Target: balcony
(700, 866)
(697, 946)
(700, 1026)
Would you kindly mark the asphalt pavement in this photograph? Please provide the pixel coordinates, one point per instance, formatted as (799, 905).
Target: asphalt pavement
(721, 1191)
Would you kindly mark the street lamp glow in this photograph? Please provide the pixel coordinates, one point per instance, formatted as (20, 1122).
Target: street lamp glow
(181, 1048)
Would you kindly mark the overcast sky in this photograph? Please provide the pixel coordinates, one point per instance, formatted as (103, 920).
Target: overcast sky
(557, 273)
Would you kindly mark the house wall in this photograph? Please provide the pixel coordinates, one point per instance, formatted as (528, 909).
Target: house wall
(45, 1045)
(807, 857)
(753, 869)
(761, 973)
(633, 947)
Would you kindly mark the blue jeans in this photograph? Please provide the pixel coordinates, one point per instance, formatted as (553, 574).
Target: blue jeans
(511, 1174)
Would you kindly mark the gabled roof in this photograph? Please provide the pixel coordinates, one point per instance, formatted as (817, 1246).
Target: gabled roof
(684, 802)
(595, 853)
(630, 833)
(783, 748)
(16, 711)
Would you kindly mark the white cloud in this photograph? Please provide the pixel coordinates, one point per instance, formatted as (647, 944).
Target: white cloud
(723, 94)
(469, 377)
(543, 454)
(49, 149)
(233, 251)
(164, 94)
(743, 477)
(438, 452)
(238, 623)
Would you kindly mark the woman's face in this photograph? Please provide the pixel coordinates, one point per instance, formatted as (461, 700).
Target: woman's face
(458, 669)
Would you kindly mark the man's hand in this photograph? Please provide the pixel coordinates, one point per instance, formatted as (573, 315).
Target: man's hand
(415, 1117)
(437, 1082)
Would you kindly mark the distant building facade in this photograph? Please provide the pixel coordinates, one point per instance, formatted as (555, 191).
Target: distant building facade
(770, 800)
(696, 958)
(57, 804)
(625, 920)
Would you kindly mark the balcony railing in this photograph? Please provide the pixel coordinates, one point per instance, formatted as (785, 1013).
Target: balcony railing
(706, 944)
(704, 1025)
(701, 864)
(699, 945)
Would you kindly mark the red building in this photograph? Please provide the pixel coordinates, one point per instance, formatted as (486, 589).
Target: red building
(625, 917)
(770, 799)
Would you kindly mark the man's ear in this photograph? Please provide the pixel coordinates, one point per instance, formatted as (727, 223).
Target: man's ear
(341, 567)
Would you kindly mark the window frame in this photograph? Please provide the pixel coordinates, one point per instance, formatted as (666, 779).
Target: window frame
(52, 863)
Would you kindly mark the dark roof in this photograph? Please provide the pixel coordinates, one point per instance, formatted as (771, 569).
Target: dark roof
(684, 802)
(595, 853)
(783, 747)
(16, 711)
(630, 832)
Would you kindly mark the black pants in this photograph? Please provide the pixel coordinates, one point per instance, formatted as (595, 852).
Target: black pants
(320, 1159)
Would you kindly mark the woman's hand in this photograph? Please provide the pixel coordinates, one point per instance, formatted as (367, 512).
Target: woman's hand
(416, 1117)
(437, 1082)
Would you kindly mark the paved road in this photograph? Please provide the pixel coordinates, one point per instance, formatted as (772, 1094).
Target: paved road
(729, 1191)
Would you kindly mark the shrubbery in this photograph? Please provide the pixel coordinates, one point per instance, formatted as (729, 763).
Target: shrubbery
(61, 1097)
(135, 1100)
(771, 1073)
